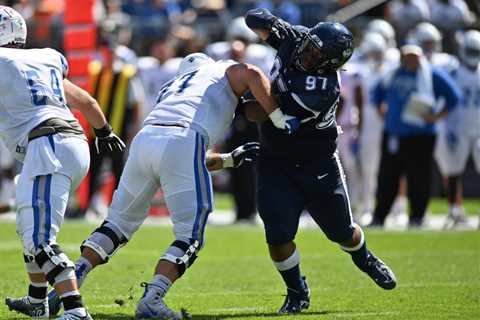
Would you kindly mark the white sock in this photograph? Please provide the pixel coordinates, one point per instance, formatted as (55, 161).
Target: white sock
(160, 285)
(82, 268)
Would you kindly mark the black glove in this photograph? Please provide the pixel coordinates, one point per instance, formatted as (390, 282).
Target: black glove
(284, 30)
(106, 140)
(246, 153)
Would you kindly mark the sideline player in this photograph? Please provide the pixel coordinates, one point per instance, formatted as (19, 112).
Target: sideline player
(461, 134)
(193, 111)
(302, 171)
(39, 129)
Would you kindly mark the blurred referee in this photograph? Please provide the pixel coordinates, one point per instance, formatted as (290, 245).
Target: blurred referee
(408, 98)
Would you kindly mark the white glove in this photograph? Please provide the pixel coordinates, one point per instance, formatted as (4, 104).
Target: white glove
(284, 122)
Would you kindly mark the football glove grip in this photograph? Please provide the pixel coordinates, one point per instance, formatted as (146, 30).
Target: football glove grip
(246, 153)
(107, 141)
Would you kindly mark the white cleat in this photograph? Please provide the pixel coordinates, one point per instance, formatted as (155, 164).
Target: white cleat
(70, 316)
(152, 306)
(456, 217)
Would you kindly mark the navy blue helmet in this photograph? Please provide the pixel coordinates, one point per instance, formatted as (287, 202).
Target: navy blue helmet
(325, 47)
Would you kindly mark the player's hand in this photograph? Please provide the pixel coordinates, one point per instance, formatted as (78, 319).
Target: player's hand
(287, 123)
(246, 153)
(291, 124)
(284, 30)
(107, 141)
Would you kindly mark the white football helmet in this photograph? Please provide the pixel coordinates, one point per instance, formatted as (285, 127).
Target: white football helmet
(373, 41)
(238, 29)
(426, 34)
(13, 29)
(469, 50)
(192, 62)
(385, 29)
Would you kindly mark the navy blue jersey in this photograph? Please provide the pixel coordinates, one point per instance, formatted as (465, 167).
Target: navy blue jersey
(312, 97)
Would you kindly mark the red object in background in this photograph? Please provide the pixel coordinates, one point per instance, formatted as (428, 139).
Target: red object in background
(80, 42)
(80, 38)
(77, 12)
(78, 65)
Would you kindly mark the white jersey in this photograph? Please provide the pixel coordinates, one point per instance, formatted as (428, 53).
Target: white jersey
(202, 99)
(31, 92)
(466, 117)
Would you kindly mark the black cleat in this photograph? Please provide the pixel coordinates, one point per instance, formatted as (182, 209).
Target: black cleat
(54, 303)
(296, 301)
(380, 273)
(23, 305)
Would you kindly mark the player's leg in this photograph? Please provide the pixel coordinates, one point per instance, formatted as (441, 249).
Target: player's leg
(280, 204)
(42, 201)
(370, 145)
(419, 175)
(188, 192)
(451, 154)
(391, 168)
(329, 206)
(127, 212)
(475, 145)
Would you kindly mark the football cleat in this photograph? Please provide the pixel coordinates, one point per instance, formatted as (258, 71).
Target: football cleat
(54, 303)
(380, 273)
(23, 305)
(153, 307)
(71, 316)
(296, 301)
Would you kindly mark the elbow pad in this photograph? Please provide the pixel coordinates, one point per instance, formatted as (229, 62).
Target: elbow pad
(259, 19)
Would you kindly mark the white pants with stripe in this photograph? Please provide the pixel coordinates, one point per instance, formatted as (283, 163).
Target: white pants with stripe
(53, 167)
(174, 158)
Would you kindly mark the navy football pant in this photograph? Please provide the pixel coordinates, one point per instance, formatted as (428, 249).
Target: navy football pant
(286, 189)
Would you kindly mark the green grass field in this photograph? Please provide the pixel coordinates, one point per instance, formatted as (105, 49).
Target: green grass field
(438, 275)
(224, 201)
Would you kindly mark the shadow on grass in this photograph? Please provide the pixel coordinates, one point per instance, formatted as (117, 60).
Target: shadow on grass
(120, 316)
(257, 315)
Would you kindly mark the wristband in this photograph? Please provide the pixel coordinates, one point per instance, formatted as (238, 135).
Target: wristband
(103, 131)
(227, 160)
(277, 118)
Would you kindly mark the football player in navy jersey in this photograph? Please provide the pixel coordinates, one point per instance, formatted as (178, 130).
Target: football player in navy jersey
(302, 171)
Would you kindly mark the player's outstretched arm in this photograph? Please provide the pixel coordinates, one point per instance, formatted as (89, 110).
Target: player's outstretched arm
(246, 153)
(269, 28)
(243, 77)
(79, 99)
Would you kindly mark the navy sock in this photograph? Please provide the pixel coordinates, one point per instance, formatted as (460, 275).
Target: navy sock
(359, 256)
(289, 269)
(293, 278)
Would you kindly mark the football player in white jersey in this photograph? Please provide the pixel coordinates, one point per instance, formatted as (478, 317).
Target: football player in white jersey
(39, 129)
(461, 134)
(374, 66)
(193, 112)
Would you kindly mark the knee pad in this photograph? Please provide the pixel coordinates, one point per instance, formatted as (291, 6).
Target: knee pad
(105, 240)
(54, 263)
(183, 254)
(31, 264)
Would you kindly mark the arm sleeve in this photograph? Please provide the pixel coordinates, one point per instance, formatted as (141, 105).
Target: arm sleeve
(444, 86)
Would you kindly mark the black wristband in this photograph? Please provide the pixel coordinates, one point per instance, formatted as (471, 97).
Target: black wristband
(103, 131)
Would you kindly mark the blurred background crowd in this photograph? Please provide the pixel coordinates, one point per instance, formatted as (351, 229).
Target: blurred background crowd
(139, 45)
